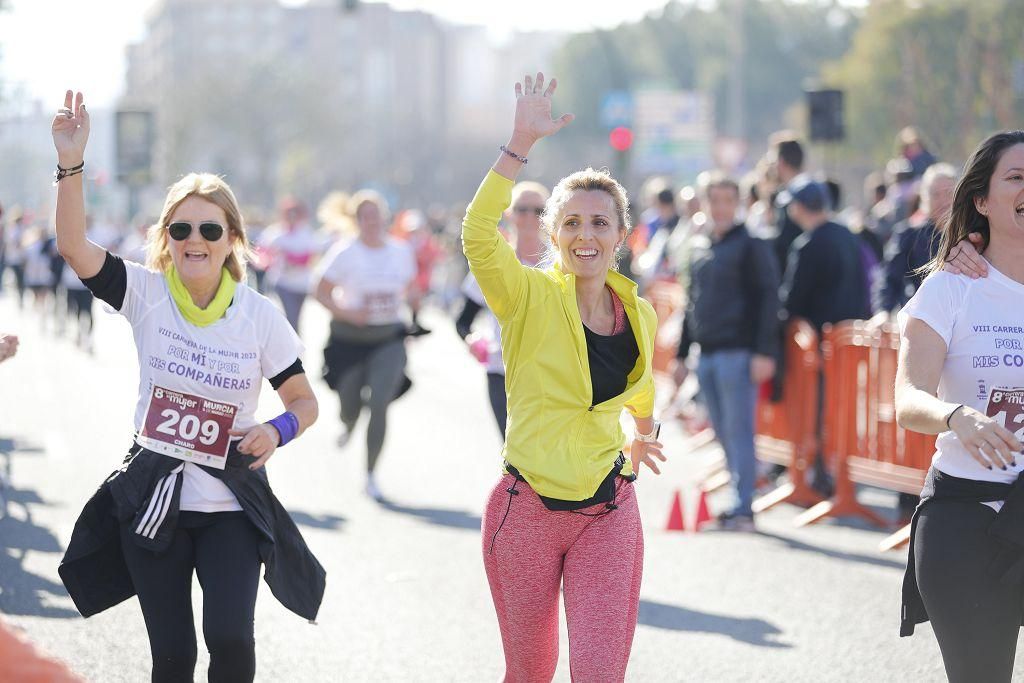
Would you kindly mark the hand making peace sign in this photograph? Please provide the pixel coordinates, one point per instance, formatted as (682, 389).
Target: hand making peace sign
(70, 130)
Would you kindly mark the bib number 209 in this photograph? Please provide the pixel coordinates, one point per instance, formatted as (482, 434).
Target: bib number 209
(188, 427)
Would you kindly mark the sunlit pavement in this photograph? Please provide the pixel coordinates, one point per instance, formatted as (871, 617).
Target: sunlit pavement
(406, 597)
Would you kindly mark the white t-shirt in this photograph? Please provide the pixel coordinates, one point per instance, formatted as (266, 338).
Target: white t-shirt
(492, 334)
(226, 362)
(982, 322)
(293, 255)
(371, 277)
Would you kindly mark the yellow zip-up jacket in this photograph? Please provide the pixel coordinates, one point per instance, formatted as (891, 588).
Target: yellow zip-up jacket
(561, 443)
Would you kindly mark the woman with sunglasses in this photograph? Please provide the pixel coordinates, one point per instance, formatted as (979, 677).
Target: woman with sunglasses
(192, 494)
(577, 343)
(527, 207)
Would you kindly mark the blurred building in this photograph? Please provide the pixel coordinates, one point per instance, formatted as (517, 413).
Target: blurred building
(317, 97)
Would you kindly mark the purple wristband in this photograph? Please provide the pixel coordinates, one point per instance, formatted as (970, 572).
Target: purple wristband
(287, 426)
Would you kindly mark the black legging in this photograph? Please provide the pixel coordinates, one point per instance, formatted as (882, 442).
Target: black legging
(975, 617)
(223, 549)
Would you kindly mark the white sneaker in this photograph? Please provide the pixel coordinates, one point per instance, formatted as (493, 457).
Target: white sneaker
(371, 489)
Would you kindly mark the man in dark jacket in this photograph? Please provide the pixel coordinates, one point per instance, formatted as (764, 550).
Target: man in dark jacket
(824, 280)
(732, 313)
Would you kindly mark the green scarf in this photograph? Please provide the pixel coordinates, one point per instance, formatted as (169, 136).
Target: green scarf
(201, 317)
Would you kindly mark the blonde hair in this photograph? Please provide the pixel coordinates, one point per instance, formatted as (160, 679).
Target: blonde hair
(213, 189)
(333, 213)
(587, 180)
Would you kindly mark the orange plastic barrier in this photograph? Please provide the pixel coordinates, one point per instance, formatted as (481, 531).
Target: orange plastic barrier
(861, 438)
(786, 432)
(20, 661)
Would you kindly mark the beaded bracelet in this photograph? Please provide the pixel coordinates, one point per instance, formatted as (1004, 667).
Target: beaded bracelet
(506, 150)
(62, 173)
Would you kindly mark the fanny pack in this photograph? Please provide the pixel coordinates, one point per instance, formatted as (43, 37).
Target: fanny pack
(605, 491)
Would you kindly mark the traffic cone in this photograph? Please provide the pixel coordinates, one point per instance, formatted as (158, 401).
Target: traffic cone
(703, 515)
(675, 515)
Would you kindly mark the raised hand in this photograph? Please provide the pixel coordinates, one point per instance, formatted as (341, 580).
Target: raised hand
(70, 130)
(533, 110)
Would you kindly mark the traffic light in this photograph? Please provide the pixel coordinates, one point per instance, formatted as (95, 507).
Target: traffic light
(621, 138)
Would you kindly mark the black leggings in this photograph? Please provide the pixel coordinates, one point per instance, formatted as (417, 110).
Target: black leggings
(223, 548)
(975, 617)
(499, 401)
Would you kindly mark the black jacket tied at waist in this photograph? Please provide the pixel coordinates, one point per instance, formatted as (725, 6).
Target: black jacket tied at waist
(147, 491)
(1007, 527)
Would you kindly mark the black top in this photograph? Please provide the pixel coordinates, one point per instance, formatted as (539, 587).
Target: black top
(824, 280)
(111, 284)
(612, 358)
(733, 295)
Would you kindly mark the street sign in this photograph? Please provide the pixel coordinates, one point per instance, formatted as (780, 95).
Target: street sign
(616, 109)
(674, 133)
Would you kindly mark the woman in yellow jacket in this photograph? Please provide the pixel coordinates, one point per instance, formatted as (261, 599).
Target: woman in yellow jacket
(577, 343)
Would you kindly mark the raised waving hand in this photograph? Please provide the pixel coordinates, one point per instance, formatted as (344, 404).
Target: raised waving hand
(533, 110)
(70, 130)
(532, 122)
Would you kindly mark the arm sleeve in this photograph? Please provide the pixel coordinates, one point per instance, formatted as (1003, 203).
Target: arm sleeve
(280, 378)
(111, 283)
(764, 279)
(502, 278)
(464, 323)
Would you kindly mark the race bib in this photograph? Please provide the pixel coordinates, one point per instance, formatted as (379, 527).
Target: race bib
(382, 306)
(188, 427)
(1006, 406)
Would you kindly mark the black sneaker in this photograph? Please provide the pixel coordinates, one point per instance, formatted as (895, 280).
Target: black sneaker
(729, 521)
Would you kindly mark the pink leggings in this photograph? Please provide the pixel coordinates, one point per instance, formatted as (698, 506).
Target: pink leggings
(597, 560)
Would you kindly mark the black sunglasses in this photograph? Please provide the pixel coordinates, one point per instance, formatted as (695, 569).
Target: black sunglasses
(539, 210)
(211, 232)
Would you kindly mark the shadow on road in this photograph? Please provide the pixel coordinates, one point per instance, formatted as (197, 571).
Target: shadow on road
(21, 591)
(877, 561)
(746, 630)
(457, 519)
(330, 522)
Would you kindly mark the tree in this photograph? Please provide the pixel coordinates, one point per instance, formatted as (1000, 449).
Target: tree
(950, 67)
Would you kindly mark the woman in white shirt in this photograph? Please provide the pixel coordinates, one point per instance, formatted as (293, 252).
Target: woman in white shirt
(192, 495)
(961, 375)
(365, 284)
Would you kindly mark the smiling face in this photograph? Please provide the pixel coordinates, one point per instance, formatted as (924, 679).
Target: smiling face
(587, 234)
(196, 259)
(1004, 204)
